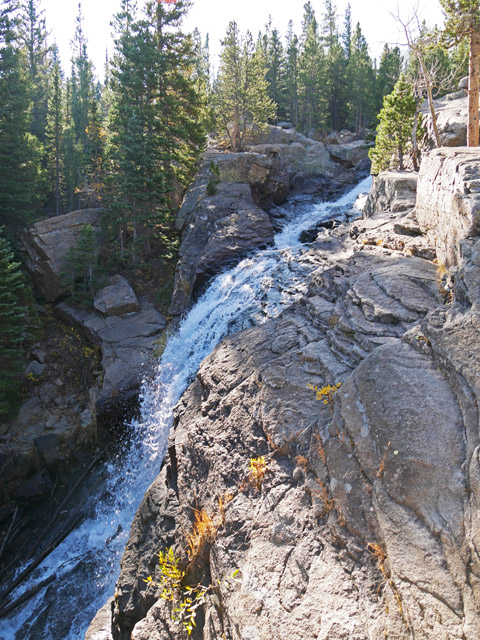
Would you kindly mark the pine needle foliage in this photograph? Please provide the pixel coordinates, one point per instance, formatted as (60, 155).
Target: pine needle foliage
(241, 102)
(394, 133)
(13, 328)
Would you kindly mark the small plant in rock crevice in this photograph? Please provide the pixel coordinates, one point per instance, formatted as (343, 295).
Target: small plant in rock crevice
(186, 598)
(256, 472)
(325, 393)
(204, 529)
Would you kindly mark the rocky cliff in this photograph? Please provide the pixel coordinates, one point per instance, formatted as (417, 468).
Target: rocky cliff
(362, 521)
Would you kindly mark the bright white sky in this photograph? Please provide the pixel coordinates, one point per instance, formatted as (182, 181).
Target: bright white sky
(213, 16)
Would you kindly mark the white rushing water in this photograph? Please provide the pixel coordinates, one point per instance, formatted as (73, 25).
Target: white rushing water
(87, 562)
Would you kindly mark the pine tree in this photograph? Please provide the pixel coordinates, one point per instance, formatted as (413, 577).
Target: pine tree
(361, 83)
(81, 273)
(155, 121)
(312, 101)
(13, 320)
(21, 179)
(463, 20)
(347, 32)
(33, 36)
(291, 76)
(334, 86)
(388, 72)
(241, 101)
(54, 137)
(275, 63)
(394, 133)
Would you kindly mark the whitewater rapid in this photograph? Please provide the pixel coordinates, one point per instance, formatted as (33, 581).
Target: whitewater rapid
(87, 562)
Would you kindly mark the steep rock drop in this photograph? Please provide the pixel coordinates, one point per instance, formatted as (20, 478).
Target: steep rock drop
(260, 287)
(364, 523)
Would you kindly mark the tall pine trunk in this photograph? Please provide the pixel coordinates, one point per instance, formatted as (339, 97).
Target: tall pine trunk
(473, 89)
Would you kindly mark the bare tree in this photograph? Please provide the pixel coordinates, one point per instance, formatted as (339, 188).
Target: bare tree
(430, 81)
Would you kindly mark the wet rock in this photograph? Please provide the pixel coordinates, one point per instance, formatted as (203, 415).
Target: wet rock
(116, 299)
(47, 243)
(251, 398)
(52, 451)
(35, 488)
(100, 627)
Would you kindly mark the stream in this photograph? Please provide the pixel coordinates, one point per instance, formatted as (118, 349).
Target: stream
(87, 562)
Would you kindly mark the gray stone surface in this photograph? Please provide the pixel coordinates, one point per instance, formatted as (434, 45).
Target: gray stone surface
(127, 344)
(385, 464)
(225, 226)
(452, 116)
(100, 627)
(46, 244)
(117, 298)
(448, 200)
(349, 154)
(392, 191)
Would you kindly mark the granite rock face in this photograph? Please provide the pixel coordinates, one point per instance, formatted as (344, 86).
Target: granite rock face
(349, 154)
(127, 344)
(448, 201)
(452, 117)
(392, 191)
(224, 227)
(47, 243)
(362, 526)
(365, 524)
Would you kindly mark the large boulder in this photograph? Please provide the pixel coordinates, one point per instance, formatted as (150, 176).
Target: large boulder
(46, 244)
(391, 191)
(448, 200)
(349, 154)
(127, 342)
(117, 298)
(220, 229)
(452, 117)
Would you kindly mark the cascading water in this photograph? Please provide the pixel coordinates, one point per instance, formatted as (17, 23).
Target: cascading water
(87, 563)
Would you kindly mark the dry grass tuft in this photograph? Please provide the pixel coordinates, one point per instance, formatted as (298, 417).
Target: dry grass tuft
(327, 502)
(256, 472)
(381, 468)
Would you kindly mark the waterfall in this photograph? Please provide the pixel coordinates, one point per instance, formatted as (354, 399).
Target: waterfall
(87, 562)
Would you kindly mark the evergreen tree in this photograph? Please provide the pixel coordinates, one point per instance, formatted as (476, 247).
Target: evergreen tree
(81, 273)
(33, 36)
(241, 100)
(82, 86)
(312, 101)
(21, 180)
(275, 62)
(334, 86)
(155, 128)
(347, 32)
(388, 72)
(463, 21)
(361, 83)
(13, 321)
(54, 138)
(329, 25)
(397, 124)
(291, 76)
